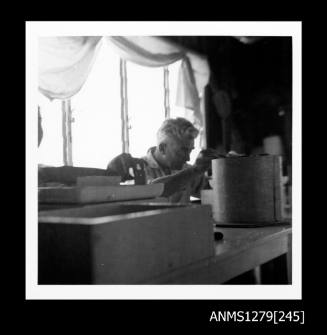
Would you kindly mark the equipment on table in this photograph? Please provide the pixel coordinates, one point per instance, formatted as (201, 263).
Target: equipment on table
(246, 189)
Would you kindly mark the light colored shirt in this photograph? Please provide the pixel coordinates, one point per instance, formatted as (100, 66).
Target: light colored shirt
(153, 171)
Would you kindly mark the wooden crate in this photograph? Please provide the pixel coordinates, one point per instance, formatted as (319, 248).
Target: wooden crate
(121, 244)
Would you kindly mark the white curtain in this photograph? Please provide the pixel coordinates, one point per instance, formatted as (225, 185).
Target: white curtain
(145, 50)
(65, 63)
(187, 93)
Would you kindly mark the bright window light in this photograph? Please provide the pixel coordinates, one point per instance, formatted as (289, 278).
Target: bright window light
(96, 111)
(146, 112)
(50, 151)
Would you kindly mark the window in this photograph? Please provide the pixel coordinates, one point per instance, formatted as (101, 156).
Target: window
(50, 151)
(96, 113)
(145, 106)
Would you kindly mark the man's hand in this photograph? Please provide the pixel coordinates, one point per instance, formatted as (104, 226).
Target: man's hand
(122, 164)
(204, 158)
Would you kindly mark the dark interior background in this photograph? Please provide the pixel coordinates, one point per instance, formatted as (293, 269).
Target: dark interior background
(256, 73)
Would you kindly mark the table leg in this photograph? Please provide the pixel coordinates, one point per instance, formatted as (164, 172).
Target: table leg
(257, 275)
(289, 259)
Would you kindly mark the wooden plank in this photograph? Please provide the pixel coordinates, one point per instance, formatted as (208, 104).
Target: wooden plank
(58, 195)
(94, 194)
(98, 181)
(241, 239)
(105, 212)
(66, 174)
(53, 206)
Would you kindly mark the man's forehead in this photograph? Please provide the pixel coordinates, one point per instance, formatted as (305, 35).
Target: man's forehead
(186, 142)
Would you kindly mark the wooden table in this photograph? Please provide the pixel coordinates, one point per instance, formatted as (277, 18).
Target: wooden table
(241, 250)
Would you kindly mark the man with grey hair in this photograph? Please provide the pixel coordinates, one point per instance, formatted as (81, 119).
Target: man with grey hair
(166, 162)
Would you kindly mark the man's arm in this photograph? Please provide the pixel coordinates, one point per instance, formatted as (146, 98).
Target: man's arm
(201, 183)
(121, 164)
(178, 181)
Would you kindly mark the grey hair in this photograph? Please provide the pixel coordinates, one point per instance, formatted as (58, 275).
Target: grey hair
(179, 129)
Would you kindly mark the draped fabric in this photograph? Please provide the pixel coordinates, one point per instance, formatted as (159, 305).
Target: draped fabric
(65, 63)
(192, 79)
(145, 50)
(187, 94)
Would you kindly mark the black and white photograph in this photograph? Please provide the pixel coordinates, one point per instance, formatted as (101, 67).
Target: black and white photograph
(163, 160)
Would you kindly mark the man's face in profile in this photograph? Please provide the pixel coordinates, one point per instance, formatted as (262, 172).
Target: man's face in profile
(178, 152)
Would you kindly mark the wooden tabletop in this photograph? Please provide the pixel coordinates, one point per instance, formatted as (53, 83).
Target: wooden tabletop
(240, 250)
(237, 239)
